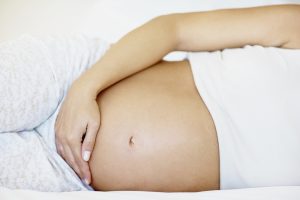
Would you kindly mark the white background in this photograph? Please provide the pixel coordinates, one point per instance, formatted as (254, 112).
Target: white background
(108, 19)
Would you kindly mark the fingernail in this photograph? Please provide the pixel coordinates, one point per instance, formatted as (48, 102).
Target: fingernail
(86, 181)
(86, 155)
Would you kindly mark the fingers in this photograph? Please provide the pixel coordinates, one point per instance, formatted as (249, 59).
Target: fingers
(78, 162)
(69, 157)
(71, 152)
(76, 131)
(89, 140)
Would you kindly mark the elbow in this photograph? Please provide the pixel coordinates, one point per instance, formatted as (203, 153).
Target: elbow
(170, 25)
(179, 24)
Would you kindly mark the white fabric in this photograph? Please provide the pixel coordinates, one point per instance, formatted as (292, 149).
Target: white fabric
(35, 74)
(253, 95)
(273, 193)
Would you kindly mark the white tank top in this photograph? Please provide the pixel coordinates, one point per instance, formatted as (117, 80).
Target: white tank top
(253, 95)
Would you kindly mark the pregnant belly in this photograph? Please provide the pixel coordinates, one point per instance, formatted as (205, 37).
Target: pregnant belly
(156, 134)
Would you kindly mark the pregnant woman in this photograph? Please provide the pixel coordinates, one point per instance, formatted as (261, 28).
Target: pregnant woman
(225, 119)
(235, 125)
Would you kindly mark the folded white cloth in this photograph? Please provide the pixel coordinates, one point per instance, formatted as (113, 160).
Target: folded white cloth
(253, 95)
(35, 74)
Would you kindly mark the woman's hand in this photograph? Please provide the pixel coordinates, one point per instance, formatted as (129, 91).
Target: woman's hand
(76, 128)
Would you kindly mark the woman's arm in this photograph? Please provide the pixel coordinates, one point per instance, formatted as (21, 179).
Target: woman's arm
(205, 31)
(267, 26)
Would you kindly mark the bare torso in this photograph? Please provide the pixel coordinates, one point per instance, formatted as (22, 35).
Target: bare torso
(156, 134)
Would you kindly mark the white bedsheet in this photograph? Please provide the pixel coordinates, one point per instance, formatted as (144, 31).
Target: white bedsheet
(272, 193)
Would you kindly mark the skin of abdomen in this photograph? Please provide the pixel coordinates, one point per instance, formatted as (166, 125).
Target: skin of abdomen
(156, 134)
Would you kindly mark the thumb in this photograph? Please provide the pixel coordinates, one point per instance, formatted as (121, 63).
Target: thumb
(89, 140)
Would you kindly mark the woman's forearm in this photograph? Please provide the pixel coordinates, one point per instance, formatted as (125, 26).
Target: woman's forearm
(202, 31)
(140, 48)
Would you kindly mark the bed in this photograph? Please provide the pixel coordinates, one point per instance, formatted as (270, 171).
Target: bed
(274, 193)
(110, 20)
